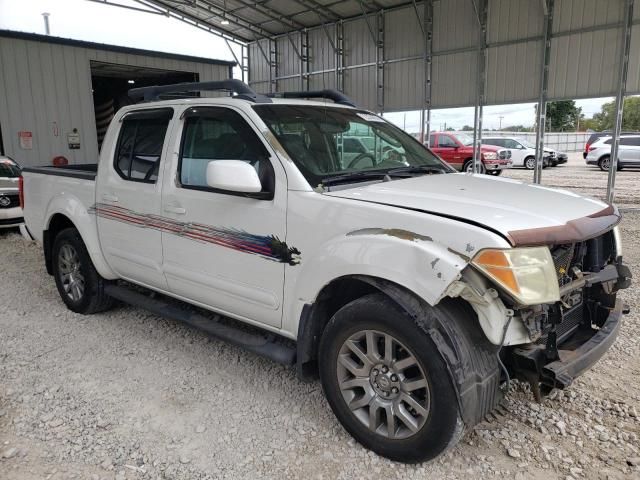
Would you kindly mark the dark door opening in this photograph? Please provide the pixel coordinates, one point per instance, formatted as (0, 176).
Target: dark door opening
(111, 82)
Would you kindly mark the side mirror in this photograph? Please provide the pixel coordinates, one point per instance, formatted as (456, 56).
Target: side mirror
(233, 175)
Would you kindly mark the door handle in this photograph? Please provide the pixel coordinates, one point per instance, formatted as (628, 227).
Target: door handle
(109, 198)
(174, 209)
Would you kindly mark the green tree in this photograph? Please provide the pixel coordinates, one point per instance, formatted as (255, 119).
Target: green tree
(604, 120)
(467, 128)
(563, 115)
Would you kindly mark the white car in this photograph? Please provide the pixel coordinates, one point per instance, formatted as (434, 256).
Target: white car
(412, 290)
(10, 211)
(628, 152)
(523, 154)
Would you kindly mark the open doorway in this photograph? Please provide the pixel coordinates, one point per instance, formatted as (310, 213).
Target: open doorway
(111, 82)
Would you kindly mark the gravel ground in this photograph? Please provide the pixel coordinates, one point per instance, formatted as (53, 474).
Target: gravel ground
(128, 395)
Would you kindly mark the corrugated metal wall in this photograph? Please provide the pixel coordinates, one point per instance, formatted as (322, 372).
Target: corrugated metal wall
(45, 89)
(587, 36)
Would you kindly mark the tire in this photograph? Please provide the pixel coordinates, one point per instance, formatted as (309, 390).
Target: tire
(604, 163)
(468, 165)
(79, 284)
(436, 429)
(530, 163)
(495, 173)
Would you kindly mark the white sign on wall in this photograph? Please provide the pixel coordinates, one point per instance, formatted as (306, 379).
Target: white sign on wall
(26, 140)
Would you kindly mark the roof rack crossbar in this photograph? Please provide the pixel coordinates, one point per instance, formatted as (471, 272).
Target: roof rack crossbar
(241, 89)
(331, 94)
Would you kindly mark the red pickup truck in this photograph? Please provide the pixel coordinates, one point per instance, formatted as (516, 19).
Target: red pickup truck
(457, 150)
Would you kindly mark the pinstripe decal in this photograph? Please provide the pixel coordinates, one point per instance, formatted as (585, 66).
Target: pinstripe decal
(266, 246)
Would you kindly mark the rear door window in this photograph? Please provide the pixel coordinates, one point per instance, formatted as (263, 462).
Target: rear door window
(140, 144)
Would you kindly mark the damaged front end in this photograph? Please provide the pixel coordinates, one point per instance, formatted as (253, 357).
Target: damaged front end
(571, 335)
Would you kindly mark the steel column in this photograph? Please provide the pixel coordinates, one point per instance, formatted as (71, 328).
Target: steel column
(622, 88)
(304, 60)
(541, 107)
(380, 60)
(339, 55)
(273, 66)
(481, 72)
(427, 30)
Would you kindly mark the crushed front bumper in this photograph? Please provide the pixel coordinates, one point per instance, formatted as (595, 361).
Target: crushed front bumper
(575, 356)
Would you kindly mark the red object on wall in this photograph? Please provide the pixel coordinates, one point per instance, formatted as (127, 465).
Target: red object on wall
(60, 161)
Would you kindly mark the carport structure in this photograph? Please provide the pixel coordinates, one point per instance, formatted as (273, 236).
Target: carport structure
(421, 55)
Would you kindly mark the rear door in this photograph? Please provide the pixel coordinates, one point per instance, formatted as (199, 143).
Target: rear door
(222, 249)
(128, 193)
(629, 153)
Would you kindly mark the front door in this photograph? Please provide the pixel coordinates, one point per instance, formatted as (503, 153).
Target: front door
(128, 195)
(227, 251)
(447, 149)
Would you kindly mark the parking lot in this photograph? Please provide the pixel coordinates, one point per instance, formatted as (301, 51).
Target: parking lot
(588, 180)
(127, 394)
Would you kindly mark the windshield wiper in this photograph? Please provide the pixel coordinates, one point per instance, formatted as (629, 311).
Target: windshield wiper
(417, 169)
(363, 175)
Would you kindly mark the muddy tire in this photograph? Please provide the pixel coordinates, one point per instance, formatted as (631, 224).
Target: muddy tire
(79, 284)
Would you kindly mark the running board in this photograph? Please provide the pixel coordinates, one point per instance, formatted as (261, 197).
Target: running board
(262, 345)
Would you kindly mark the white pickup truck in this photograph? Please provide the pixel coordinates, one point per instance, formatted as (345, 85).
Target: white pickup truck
(413, 291)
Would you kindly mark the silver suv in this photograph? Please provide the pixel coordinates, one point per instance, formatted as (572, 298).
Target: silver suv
(628, 152)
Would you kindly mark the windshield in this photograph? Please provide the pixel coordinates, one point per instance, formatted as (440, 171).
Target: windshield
(464, 139)
(9, 168)
(327, 142)
(526, 143)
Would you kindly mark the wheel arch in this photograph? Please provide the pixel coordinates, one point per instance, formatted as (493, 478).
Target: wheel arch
(61, 218)
(470, 358)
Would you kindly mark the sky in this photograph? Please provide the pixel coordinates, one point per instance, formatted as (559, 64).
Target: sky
(97, 22)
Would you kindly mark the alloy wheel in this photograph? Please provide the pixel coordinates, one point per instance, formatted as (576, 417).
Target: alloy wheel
(383, 384)
(69, 270)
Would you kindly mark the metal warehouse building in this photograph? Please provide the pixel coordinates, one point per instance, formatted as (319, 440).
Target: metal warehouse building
(57, 95)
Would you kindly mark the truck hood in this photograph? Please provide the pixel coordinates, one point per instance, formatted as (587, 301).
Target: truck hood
(522, 213)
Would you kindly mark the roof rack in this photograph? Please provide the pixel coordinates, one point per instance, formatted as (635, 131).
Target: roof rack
(335, 95)
(241, 89)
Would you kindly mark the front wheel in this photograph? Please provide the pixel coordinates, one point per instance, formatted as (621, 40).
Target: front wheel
(530, 163)
(387, 383)
(79, 284)
(468, 167)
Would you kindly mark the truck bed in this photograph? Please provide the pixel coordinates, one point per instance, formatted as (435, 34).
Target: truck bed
(48, 188)
(85, 171)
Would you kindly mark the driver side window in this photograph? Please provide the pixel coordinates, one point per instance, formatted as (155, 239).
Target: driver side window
(140, 148)
(446, 141)
(212, 134)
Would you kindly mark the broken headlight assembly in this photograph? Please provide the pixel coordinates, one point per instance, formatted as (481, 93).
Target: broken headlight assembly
(526, 274)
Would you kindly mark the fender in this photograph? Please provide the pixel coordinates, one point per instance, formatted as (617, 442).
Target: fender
(422, 265)
(72, 207)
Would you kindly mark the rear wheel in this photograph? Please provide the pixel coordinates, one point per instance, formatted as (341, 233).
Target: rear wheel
(386, 381)
(79, 284)
(605, 163)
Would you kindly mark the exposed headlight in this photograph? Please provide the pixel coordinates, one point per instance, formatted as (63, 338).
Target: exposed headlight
(527, 274)
(490, 155)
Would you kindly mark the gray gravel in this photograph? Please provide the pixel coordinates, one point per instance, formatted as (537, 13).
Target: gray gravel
(128, 395)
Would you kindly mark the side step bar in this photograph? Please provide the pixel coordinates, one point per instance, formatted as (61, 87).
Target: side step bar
(262, 345)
